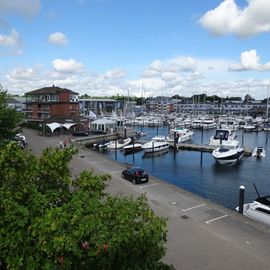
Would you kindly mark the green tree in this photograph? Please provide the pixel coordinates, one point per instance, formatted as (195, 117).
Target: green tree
(248, 98)
(48, 220)
(9, 119)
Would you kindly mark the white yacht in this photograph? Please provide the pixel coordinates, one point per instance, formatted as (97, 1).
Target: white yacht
(222, 135)
(181, 135)
(209, 124)
(118, 144)
(158, 143)
(258, 210)
(197, 123)
(249, 126)
(228, 152)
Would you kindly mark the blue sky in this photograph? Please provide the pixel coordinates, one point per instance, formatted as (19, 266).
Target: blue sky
(144, 47)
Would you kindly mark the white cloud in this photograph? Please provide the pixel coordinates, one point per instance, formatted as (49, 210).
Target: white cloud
(156, 65)
(67, 66)
(185, 64)
(20, 73)
(68, 73)
(150, 73)
(195, 76)
(28, 8)
(250, 60)
(170, 67)
(151, 86)
(169, 76)
(11, 40)
(229, 18)
(58, 38)
(117, 73)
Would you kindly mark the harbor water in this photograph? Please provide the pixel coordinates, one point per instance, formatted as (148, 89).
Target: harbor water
(200, 174)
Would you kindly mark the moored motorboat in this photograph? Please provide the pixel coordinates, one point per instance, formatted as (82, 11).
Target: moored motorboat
(103, 145)
(180, 135)
(118, 144)
(223, 134)
(228, 152)
(157, 143)
(249, 127)
(258, 152)
(258, 210)
(209, 124)
(132, 148)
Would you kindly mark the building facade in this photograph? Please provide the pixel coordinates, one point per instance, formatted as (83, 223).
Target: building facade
(50, 104)
(187, 105)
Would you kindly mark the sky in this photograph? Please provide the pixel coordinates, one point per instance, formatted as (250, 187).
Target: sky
(139, 48)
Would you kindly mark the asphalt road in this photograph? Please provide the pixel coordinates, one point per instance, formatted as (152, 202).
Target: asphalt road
(201, 234)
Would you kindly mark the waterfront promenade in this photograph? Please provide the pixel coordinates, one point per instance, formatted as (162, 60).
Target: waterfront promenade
(201, 234)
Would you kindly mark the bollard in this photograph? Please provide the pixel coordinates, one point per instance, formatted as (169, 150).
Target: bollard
(241, 198)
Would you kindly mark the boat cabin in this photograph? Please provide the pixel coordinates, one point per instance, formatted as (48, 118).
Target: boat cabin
(222, 135)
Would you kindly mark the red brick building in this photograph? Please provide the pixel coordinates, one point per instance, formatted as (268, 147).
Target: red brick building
(50, 104)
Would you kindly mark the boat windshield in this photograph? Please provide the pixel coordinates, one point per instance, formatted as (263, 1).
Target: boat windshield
(227, 147)
(221, 135)
(159, 140)
(264, 200)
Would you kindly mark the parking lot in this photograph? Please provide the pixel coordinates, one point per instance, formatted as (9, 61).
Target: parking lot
(201, 234)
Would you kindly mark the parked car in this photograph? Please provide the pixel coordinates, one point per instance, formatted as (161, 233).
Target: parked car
(135, 175)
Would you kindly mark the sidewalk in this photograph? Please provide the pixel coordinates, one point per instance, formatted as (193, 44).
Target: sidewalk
(201, 234)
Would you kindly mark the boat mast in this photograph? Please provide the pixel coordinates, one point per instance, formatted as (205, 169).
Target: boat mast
(267, 102)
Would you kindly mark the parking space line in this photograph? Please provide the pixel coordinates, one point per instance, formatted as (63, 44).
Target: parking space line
(214, 219)
(149, 185)
(94, 162)
(196, 206)
(115, 171)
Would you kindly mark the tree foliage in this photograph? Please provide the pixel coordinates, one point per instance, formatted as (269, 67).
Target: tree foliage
(248, 98)
(9, 119)
(49, 220)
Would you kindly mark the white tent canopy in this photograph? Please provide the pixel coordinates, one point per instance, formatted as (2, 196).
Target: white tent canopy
(53, 126)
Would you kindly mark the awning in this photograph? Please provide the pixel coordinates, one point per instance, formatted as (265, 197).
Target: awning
(53, 126)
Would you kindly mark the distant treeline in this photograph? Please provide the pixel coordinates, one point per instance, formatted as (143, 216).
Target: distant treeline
(194, 98)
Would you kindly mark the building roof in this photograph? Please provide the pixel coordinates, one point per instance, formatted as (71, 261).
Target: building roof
(104, 121)
(50, 90)
(13, 100)
(98, 99)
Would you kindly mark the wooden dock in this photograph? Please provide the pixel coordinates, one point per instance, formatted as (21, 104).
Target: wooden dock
(203, 147)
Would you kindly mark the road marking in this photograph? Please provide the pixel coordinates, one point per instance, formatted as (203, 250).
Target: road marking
(200, 205)
(115, 171)
(93, 162)
(149, 185)
(214, 219)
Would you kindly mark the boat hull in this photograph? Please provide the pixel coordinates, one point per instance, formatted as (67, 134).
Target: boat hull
(132, 148)
(250, 211)
(229, 159)
(155, 148)
(118, 145)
